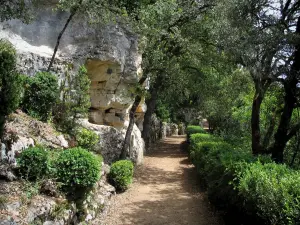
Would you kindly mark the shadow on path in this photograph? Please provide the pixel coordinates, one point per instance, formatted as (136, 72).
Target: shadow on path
(166, 191)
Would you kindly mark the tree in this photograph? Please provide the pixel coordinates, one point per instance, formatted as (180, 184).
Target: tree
(291, 101)
(10, 82)
(257, 34)
(160, 24)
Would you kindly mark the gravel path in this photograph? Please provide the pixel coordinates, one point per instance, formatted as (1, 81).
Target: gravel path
(165, 191)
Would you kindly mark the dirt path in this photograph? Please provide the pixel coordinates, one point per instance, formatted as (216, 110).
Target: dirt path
(165, 191)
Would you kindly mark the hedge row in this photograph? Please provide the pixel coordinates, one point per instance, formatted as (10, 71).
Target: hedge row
(194, 130)
(236, 179)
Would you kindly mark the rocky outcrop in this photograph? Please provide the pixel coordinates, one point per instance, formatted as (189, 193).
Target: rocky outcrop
(160, 130)
(110, 54)
(155, 129)
(181, 129)
(111, 142)
(22, 131)
(174, 129)
(20, 203)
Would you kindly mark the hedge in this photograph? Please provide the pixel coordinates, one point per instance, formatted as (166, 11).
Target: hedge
(236, 179)
(193, 130)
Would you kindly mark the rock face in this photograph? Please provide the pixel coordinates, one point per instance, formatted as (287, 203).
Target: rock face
(111, 140)
(22, 131)
(110, 54)
(160, 130)
(17, 208)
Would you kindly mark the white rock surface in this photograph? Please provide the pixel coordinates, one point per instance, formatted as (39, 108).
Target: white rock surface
(111, 56)
(111, 141)
(109, 52)
(23, 131)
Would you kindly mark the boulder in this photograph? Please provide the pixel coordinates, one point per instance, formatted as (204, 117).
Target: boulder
(174, 129)
(111, 141)
(181, 129)
(164, 130)
(6, 171)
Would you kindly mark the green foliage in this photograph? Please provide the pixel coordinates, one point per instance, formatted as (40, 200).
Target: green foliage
(121, 173)
(59, 210)
(194, 130)
(31, 189)
(97, 11)
(3, 202)
(162, 112)
(87, 139)
(201, 137)
(33, 163)
(75, 101)
(273, 191)
(10, 82)
(40, 95)
(77, 169)
(254, 185)
(53, 155)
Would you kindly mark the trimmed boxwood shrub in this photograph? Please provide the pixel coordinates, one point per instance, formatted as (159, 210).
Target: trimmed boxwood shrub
(87, 139)
(201, 137)
(194, 130)
(272, 191)
(33, 163)
(121, 174)
(77, 169)
(235, 179)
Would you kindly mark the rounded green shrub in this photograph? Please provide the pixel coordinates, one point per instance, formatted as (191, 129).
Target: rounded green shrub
(121, 174)
(77, 168)
(87, 139)
(194, 130)
(33, 163)
(40, 95)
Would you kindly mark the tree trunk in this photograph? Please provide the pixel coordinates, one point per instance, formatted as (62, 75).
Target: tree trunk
(2, 124)
(73, 12)
(133, 109)
(284, 134)
(255, 122)
(151, 104)
(281, 136)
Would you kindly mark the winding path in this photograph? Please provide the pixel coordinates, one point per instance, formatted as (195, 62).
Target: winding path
(166, 191)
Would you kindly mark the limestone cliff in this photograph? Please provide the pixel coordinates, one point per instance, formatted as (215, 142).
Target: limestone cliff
(109, 52)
